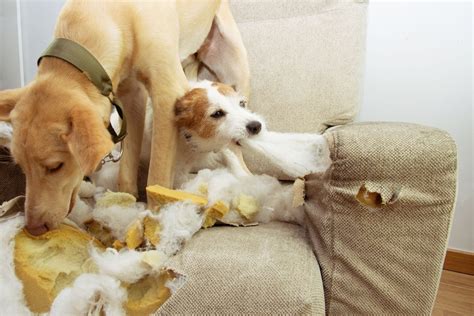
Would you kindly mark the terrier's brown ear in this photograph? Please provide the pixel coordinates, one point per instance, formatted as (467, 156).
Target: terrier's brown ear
(190, 108)
(8, 100)
(89, 141)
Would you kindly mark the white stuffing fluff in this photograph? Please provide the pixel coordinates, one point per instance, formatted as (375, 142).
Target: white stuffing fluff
(118, 217)
(6, 132)
(179, 222)
(87, 189)
(80, 213)
(11, 288)
(275, 199)
(295, 154)
(90, 295)
(126, 265)
(107, 176)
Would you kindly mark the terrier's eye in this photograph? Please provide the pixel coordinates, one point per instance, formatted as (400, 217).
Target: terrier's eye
(218, 114)
(55, 168)
(243, 103)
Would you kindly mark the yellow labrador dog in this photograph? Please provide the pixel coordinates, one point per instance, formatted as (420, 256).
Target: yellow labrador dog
(59, 120)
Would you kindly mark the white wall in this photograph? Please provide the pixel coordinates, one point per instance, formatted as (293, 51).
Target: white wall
(38, 18)
(419, 69)
(9, 56)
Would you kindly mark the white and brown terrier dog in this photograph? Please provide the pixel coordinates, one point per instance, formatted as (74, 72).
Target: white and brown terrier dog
(211, 118)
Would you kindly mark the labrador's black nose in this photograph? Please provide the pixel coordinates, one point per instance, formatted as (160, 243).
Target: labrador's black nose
(254, 127)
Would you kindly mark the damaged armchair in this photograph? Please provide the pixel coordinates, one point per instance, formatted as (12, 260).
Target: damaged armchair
(377, 222)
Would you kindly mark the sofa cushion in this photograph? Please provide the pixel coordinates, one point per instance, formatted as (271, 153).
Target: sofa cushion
(306, 60)
(248, 270)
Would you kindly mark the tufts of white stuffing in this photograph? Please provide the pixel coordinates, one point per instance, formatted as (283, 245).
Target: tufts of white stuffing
(179, 222)
(126, 265)
(87, 189)
(107, 176)
(80, 213)
(11, 288)
(118, 217)
(91, 294)
(275, 199)
(294, 154)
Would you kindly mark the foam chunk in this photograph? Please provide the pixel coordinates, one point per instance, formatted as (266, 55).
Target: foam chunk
(161, 196)
(134, 236)
(246, 205)
(152, 230)
(114, 199)
(48, 263)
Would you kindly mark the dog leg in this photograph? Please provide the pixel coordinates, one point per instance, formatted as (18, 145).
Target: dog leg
(235, 162)
(223, 52)
(133, 95)
(167, 84)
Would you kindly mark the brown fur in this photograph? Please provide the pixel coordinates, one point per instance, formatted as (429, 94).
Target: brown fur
(191, 113)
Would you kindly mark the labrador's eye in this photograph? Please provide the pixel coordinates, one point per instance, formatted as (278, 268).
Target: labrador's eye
(218, 114)
(243, 103)
(55, 168)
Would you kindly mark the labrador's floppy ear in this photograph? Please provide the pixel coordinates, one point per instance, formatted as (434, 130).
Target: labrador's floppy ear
(88, 140)
(8, 100)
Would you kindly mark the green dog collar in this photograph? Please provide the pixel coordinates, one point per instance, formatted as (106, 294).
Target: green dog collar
(83, 60)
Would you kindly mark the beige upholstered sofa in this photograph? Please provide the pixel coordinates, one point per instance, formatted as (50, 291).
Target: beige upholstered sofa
(306, 59)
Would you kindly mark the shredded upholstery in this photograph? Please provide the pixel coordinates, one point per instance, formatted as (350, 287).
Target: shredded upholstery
(91, 294)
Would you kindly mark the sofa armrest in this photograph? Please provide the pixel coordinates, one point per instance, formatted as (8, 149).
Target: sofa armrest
(379, 218)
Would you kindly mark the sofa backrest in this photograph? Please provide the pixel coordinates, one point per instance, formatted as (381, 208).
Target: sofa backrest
(306, 60)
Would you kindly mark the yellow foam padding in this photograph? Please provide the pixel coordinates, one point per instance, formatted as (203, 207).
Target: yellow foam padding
(218, 209)
(118, 245)
(134, 235)
(209, 221)
(148, 294)
(115, 198)
(160, 196)
(152, 230)
(246, 205)
(48, 263)
(214, 212)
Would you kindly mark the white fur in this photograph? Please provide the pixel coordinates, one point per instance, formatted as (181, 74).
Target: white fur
(196, 152)
(12, 301)
(91, 294)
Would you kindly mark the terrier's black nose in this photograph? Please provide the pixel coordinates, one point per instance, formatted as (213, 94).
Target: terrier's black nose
(254, 127)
